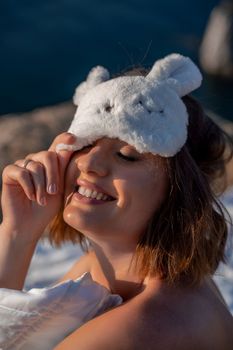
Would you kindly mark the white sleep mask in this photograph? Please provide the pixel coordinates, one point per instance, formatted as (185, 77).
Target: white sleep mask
(145, 112)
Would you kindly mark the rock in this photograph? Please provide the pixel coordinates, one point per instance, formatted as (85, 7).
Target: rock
(216, 51)
(32, 132)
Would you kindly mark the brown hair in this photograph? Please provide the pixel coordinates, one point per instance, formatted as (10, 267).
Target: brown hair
(190, 226)
(186, 236)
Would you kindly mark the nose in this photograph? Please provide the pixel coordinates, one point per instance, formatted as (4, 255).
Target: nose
(93, 162)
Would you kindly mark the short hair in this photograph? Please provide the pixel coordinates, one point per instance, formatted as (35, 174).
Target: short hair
(186, 236)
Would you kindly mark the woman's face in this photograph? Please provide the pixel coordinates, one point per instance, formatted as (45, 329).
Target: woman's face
(112, 191)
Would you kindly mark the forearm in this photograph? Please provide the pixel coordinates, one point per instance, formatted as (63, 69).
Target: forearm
(15, 258)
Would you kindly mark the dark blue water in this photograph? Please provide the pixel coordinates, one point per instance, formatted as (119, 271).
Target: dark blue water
(47, 47)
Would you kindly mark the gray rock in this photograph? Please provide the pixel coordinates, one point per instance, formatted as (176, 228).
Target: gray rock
(32, 132)
(216, 50)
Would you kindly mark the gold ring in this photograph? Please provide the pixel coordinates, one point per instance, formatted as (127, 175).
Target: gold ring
(26, 162)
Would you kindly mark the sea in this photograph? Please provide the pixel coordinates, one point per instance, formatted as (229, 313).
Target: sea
(47, 47)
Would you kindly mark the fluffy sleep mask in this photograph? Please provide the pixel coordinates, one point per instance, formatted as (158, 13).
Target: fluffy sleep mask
(146, 112)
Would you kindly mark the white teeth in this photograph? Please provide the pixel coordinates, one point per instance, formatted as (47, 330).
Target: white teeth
(87, 193)
(81, 190)
(91, 194)
(99, 196)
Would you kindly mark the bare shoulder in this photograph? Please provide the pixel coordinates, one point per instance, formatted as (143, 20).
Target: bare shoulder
(121, 328)
(148, 322)
(82, 265)
(131, 326)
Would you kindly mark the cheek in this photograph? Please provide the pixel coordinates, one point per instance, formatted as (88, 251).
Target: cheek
(147, 191)
(159, 190)
(134, 190)
(128, 187)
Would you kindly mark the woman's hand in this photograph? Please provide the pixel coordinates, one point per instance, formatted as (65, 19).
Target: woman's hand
(32, 190)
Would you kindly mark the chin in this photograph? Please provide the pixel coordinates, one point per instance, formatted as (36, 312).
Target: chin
(73, 219)
(80, 221)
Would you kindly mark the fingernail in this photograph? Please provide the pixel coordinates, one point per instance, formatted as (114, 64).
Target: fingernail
(52, 188)
(43, 201)
(64, 147)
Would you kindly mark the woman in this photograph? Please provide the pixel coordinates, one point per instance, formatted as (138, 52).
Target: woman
(137, 188)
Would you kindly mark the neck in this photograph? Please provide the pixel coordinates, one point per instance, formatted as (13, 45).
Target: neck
(115, 269)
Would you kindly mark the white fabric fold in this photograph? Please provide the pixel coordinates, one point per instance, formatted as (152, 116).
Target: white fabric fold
(39, 319)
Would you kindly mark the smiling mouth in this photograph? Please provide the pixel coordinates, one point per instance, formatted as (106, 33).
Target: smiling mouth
(92, 194)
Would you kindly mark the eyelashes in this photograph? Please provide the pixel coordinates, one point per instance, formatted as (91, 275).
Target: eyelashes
(119, 154)
(128, 158)
(85, 147)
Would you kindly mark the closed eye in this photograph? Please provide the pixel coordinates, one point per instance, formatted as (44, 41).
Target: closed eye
(128, 158)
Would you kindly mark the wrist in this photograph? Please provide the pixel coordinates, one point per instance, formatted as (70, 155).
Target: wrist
(15, 256)
(15, 235)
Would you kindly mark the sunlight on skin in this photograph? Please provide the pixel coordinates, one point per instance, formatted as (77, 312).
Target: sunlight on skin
(130, 177)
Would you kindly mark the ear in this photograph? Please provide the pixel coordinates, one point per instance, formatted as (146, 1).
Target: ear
(95, 77)
(178, 72)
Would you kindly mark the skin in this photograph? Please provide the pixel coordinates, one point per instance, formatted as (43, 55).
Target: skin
(153, 315)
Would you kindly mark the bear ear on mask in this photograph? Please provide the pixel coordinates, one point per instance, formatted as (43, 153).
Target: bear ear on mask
(96, 76)
(177, 72)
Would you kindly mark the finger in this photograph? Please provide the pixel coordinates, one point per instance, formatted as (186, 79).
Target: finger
(37, 173)
(52, 173)
(15, 175)
(49, 160)
(65, 155)
(65, 137)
